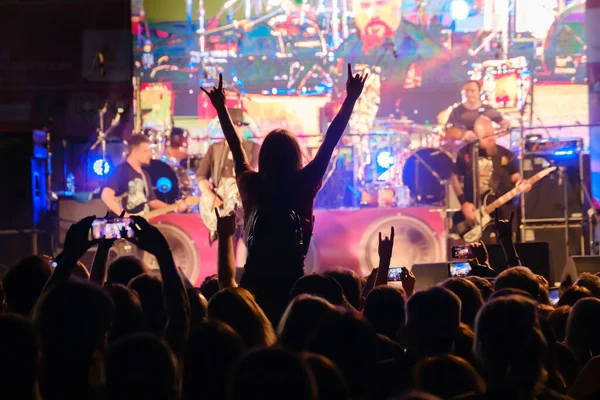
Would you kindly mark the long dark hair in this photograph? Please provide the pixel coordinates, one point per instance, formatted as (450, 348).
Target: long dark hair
(280, 155)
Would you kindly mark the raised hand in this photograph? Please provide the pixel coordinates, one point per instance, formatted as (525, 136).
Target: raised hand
(385, 247)
(149, 238)
(217, 94)
(355, 83)
(77, 240)
(226, 225)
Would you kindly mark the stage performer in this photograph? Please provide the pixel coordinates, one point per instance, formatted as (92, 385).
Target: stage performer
(278, 200)
(217, 164)
(498, 173)
(464, 115)
(129, 188)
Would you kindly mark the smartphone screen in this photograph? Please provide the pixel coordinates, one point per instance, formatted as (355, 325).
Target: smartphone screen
(114, 228)
(462, 252)
(459, 269)
(554, 295)
(395, 274)
(111, 228)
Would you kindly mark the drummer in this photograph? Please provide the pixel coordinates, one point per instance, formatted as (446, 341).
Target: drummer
(461, 122)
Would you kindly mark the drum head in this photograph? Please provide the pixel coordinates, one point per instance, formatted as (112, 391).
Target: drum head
(423, 173)
(164, 181)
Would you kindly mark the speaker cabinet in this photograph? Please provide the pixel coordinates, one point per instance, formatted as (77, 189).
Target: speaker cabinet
(555, 236)
(545, 203)
(579, 264)
(533, 255)
(428, 275)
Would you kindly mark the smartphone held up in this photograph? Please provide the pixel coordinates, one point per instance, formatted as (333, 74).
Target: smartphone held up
(112, 228)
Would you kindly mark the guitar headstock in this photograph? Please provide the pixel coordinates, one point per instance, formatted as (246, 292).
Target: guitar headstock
(546, 171)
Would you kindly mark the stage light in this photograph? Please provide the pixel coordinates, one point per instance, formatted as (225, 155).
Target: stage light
(459, 9)
(385, 159)
(101, 167)
(164, 184)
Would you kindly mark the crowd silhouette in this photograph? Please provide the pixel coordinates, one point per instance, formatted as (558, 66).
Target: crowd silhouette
(121, 332)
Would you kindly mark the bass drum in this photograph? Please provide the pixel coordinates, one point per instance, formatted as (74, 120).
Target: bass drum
(185, 253)
(164, 181)
(423, 173)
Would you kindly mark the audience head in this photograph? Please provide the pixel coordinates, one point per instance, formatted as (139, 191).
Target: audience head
(320, 285)
(210, 354)
(355, 354)
(486, 288)
(149, 290)
(124, 269)
(19, 357)
(544, 290)
(237, 308)
(271, 374)
(504, 328)
(350, 283)
(590, 282)
(302, 316)
(470, 298)
(24, 282)
(279, 155)
(518, 278)
(384, 309)
(432, 321)
(447, 376)
(141, 367)
(129, 317)
(572, 295)
(583, 329)
(329, 379)
(209, 287)
(558, 320)
(198, 306)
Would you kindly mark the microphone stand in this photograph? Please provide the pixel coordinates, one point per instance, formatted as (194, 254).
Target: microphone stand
(101, 140)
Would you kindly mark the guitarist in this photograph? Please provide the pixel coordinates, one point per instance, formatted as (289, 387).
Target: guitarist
(129, 188)
(498, 173)
(218, 163)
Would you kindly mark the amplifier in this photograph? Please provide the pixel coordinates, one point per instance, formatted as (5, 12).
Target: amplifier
(555, 236)
(555, 146)
(545, 203)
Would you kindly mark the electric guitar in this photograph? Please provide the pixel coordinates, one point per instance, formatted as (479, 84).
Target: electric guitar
(228, 192)
(471, 231)
(189, 201)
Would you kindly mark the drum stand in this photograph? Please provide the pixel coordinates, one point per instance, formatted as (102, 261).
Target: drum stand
(445, 210)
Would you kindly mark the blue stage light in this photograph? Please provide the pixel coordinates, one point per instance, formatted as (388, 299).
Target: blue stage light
(459, 10)
(164, 184)
(101, 167)
(563, 152)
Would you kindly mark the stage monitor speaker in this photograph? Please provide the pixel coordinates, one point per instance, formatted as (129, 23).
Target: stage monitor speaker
(533, 255)
(555, 236)
(579, 264)
(428, 275)
(545, 202)
(71, 210)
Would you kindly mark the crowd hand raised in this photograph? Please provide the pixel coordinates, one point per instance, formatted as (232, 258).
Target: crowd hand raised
(408, 280)
(385, 248)
(149, 238)
(216, 94)
(355, 83)
(479, 252)
(503, 227)
(77, 240)
(226, 225)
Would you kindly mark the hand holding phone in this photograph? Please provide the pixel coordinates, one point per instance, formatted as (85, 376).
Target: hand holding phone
(395, 274)
(459, 269)
(112, 228)
(462, 252)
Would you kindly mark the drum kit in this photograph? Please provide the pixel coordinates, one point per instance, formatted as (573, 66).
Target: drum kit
(172, 169)
(410, 164)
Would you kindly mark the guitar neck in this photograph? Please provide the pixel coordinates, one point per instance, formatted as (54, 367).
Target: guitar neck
(506, 197)
(159, 212)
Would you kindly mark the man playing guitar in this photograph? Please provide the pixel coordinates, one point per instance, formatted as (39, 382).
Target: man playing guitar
(497, 168)
(461, 121)
(217, 166)
(129, 187)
